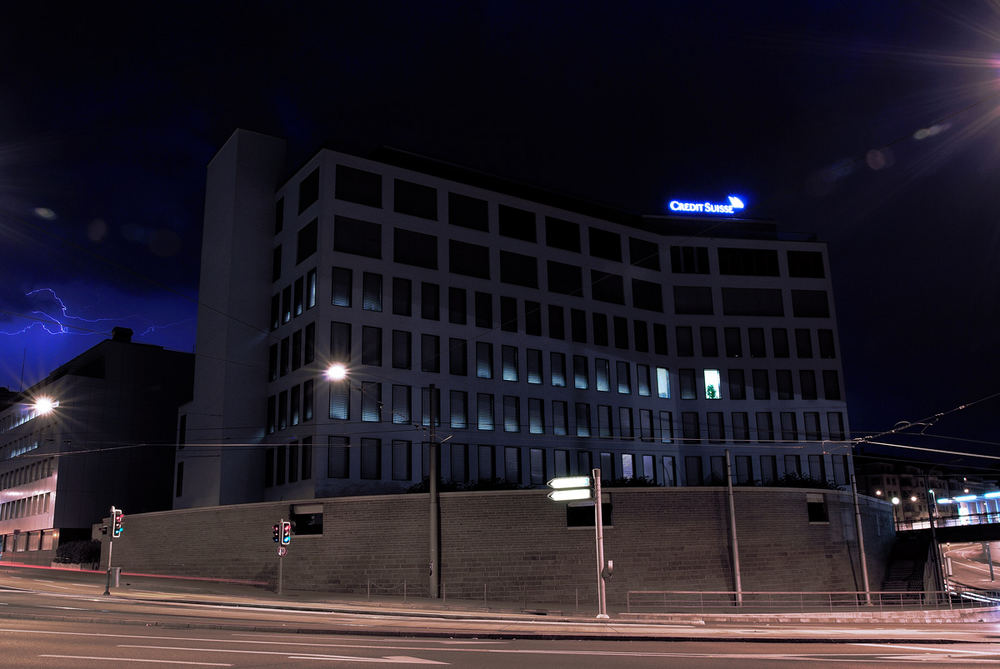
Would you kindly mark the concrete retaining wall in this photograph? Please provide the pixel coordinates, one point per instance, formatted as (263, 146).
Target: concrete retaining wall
(516, 544)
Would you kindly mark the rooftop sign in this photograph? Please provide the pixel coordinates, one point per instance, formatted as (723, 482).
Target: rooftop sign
(733, 205)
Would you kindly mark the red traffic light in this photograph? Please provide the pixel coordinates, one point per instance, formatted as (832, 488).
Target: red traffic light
(286, 533)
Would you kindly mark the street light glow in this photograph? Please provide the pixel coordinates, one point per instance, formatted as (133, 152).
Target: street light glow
(45, 405)
(895, 501)
(336, 372)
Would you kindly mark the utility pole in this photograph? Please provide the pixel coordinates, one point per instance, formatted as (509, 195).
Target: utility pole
(732, 530)
(435, 503)
(861, 540)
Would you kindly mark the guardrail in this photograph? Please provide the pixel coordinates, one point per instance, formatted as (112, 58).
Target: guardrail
(986, 518)
(707, 601)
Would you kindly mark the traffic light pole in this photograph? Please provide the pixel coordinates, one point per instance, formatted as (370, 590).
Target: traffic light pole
(111, 544)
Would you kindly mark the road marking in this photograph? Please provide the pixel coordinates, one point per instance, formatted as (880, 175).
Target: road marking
(932, 649)
(137, 659)
(65, 608)
(395, 659)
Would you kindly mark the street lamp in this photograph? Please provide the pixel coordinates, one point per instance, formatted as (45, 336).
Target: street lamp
(895, 503)
(336, 372)
(44, 405)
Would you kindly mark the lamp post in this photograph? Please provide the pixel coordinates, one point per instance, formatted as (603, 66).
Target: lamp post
(895, 518)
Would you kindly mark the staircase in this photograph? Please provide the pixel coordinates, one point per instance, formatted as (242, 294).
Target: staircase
(905, 572)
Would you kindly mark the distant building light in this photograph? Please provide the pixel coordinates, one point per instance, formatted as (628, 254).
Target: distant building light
(995, 493)
(965, 498)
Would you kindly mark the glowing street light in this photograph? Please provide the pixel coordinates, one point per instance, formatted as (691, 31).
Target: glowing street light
(336, 372)
(44, 405)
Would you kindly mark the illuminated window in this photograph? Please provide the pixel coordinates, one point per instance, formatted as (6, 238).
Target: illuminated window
(401, 403)
(663, 383)
(580, 377)
(557, 369)
(511, 413)
(341, 287)
(534, 366)
(508, 355)
(559, 420)
(484, 360)
(624, 378)
(459, 401)
(536, 417)
(582, 419)
(713, 384)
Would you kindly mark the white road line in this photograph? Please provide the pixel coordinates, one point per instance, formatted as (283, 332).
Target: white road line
(931, 649)
(396, 659)
(137, 659)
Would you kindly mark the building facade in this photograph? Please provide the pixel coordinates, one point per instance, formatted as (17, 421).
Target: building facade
(98, 431)
(531, 334)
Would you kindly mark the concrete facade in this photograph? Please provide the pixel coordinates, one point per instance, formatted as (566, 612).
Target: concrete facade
(560, 336)
(517, 546)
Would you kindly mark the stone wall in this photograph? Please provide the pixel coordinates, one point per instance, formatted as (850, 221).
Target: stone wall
(517, 544)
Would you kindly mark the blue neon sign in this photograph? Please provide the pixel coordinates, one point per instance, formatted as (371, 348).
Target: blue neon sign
(733, 205)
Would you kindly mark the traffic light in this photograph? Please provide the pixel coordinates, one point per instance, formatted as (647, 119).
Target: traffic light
(277, 533)
(286, 533)
(116, 523)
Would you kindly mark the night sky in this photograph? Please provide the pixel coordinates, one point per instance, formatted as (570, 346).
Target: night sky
(871, 124)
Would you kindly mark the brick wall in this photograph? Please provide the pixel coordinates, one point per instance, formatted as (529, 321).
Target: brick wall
(517, 544)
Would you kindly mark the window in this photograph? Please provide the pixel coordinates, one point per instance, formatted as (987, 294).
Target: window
(415, 200)
(642, 253)
(458, 405)
(646, 424)
(768, 469)
(307, 241)
(286, 304)
(713, 384)
(536, 416)
(805, 264)
(642, 380)
(695, 300)
(663, 383)
(532, 318)
(309, 346)
(458, 357)
(744, 470)
(793, 466)
(372, 292)
(557, 326)
(741, 427)
(669, 475)
(688, 389)
(341, 289)
(836, 424)
(457, 306)
(516, 223)
(340, 342)
(430, 357)
(600, 329)
(275, 311)
(293, 462)
(607, 287)
(831, 384)
(689, 259)
(765, 426)
(621, 332)
(578, 325)
(559, 419)
(810, 304)
(276, 263)
(508, 356)
(534, 366)
(789, 429)
(511, 413)
(816, 509)
(428, 405)
(807, 382)
(605, 244)
(761, 388)
(371, 402)
(625, 426)
(402, 300)
(359, 238)
(430, 301)
(779, 342)
(709, 342)
(564, 279)
(272, 362)
(484, 310)
(371, 345)
(582, 419)
(268, 467)
(784, 383)
(690, 429)
(641, 336)
(459, 463)
(604, 429)
(752, 302)
(647, 295)
(354, 185)
(685, 341)
(296, 405)
(659, 339)
(340, 399)
(811, 420)
(279, 216)
(748, 262)
(580, 376)
(624, 377)
(487, 465)
(307, 401)
(299, 297)
(401, 404)
(484, 360)
(557, 369)
(402, 460)
(584, 462)
(468, 259)
(371, 458)
(560, 460)
(282, 465)
(560, 234)
(826, 347)
(284, 357)
(468, 212)
(508, 314)
(803, 343)
(308, 190)
(693, 470)
(310, 289)
(512, 464)
(536, 466)
(518, 269)
(716, 427)
(737, 385)
(484, 402)
(401, 346)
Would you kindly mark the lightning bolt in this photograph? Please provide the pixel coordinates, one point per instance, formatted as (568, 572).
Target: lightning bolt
(57, 325)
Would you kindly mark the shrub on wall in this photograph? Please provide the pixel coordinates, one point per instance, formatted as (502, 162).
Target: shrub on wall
(79, 552)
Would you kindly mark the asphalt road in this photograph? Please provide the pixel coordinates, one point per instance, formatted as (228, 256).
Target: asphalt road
(78, 645)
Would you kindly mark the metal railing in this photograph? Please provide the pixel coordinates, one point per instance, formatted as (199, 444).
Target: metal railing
(727, 601)
(986, 518)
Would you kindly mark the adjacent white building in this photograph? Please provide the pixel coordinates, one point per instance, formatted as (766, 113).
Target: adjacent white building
(557, 336)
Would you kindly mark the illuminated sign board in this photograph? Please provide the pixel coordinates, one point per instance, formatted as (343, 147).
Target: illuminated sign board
(733, 205)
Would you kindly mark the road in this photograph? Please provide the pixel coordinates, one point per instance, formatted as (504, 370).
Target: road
(967, 568)
(60, 644)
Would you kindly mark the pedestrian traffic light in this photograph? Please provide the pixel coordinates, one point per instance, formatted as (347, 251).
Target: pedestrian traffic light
(286, 533)
(116, 523)
(277, 533)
